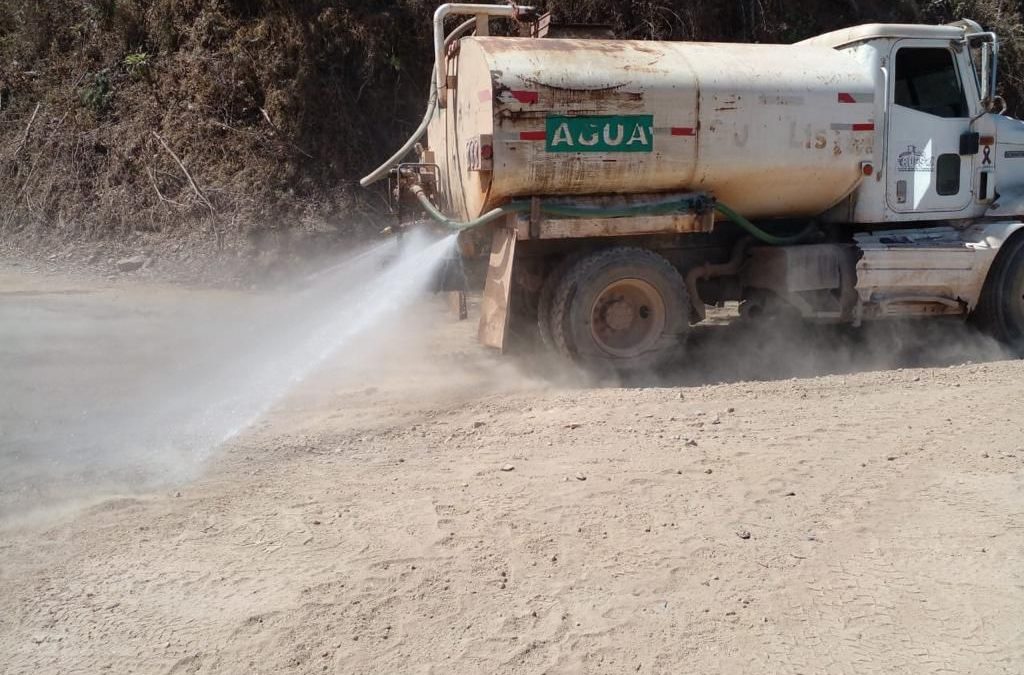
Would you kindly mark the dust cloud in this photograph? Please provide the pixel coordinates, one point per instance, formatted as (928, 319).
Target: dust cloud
(115, 393)
(727, 350)
(110, 393)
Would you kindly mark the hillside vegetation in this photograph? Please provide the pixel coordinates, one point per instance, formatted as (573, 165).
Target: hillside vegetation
(225, 120)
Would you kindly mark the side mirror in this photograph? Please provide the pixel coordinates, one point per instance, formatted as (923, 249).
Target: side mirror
(989, 73)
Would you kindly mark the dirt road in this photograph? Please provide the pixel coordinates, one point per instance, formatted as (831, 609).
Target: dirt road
(774, 507)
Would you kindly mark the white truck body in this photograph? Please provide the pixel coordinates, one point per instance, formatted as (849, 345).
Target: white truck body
(772, 130)
(885, 140)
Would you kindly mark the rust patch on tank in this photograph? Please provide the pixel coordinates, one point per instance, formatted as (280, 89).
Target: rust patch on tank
(529, 91)
(612, 93)
(726, 103)
(567, 45)
(515, 116)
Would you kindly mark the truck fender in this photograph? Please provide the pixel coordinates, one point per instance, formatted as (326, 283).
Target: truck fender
(987, 238)
(992, 234)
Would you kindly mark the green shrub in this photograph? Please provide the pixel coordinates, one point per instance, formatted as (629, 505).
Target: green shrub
(138, 65)
(98, 94)
(103, 11)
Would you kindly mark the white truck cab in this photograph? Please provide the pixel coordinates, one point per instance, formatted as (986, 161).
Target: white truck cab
(945, 148)
(949, 161)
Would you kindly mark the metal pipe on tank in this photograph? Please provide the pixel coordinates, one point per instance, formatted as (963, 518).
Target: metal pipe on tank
(384, 168)
(441, 43)
(463, 9)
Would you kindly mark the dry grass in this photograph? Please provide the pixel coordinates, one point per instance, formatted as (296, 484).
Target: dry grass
(275, 108)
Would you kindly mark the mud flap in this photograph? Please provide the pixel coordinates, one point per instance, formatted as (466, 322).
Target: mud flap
(494, 314)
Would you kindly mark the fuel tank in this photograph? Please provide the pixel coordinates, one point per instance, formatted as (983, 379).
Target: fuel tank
(770, 130)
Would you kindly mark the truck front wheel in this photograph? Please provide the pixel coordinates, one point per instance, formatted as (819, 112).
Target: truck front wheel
(1000, 310)
(621, 309)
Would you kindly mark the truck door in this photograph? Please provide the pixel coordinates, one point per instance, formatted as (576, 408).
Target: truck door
(927, 115)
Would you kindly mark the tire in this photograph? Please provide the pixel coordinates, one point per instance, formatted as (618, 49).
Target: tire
(547, 297)
(1000, 310)
(621, 310)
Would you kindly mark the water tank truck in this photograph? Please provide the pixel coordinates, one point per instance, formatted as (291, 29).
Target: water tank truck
(868, 173)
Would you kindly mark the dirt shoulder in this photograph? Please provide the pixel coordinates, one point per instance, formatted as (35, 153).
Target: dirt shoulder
(441, 511)
(197, 261)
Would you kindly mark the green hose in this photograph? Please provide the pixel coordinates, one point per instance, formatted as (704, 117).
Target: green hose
(683, 205)
(686, 204)
(457, 226)
(760, 234)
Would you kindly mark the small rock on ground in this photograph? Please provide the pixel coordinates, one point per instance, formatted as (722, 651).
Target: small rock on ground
(136, 262)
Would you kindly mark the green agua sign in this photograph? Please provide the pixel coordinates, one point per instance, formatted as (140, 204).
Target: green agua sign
(600, 133)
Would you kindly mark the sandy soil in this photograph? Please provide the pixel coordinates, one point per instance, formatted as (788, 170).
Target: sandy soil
(788, 508)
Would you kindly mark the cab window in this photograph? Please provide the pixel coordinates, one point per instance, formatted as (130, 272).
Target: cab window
(926, 80)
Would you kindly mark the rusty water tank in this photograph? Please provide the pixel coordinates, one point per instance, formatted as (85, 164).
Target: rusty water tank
(771, 130)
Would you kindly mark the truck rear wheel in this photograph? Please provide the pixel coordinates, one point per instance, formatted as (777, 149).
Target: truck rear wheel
(1000, 309)
(547, 298)
(621, 309)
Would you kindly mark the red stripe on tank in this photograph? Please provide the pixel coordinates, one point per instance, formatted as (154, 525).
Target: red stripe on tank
(524, 96)
(532, 135)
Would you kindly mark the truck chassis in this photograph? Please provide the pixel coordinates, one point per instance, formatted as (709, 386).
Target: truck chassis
(625, 299)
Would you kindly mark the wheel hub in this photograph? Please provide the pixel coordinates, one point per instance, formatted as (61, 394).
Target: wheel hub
(628, 318)
(619, 314)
